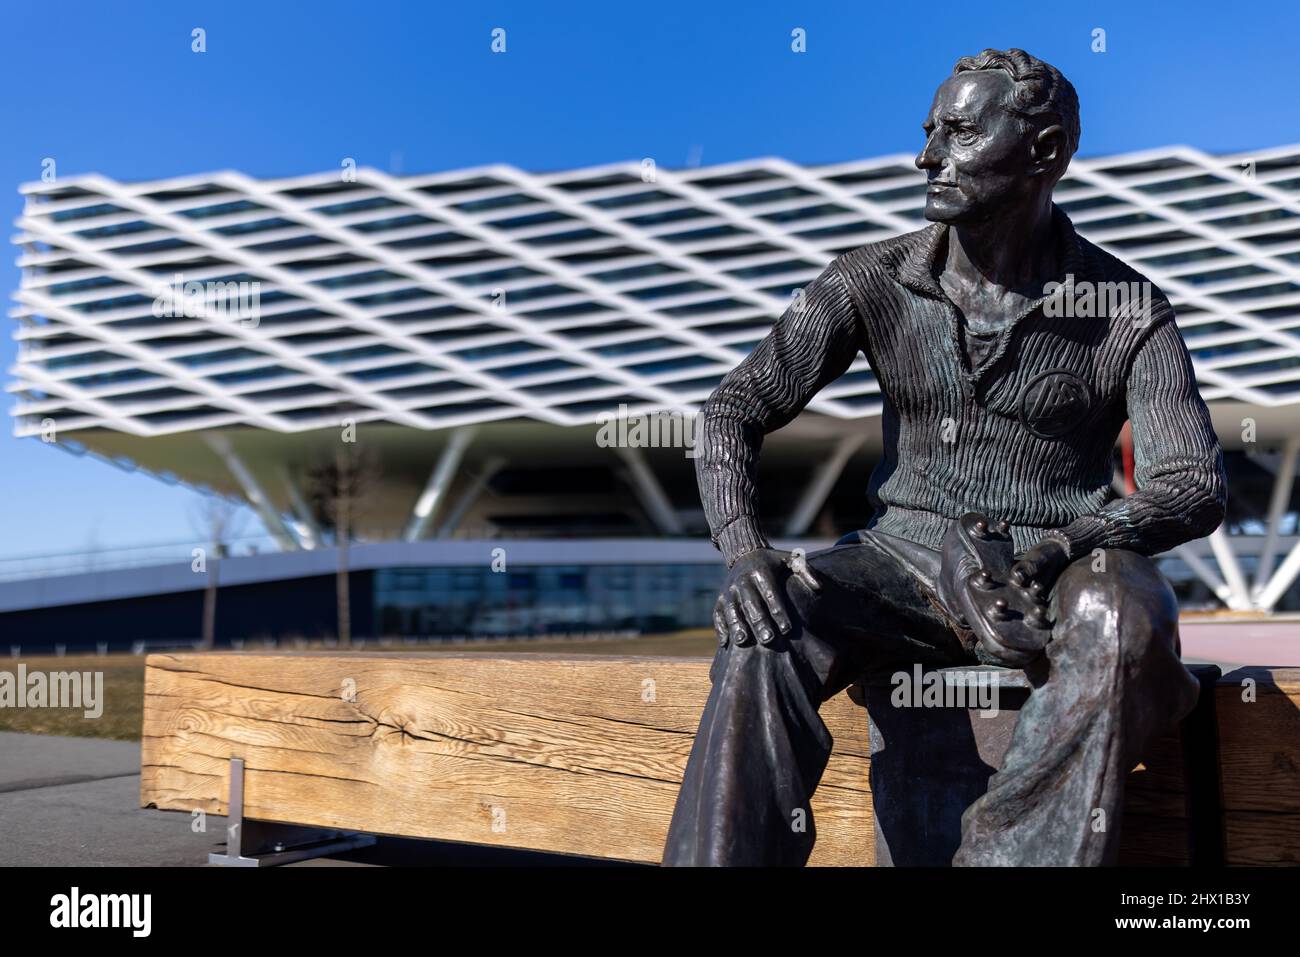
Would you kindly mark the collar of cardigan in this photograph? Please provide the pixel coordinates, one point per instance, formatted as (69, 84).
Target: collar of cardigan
(915, 269)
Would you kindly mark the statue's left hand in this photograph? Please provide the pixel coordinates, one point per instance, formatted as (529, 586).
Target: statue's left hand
(1042, 563)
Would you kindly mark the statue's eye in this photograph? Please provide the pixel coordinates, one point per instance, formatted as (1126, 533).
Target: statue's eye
(965, 137)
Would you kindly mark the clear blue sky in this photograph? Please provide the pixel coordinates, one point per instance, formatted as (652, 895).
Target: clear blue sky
(286, 89)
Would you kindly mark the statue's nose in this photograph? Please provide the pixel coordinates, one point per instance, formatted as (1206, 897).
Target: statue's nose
(928, 157)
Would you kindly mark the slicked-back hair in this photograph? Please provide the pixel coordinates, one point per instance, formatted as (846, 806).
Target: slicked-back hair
(1041, 94)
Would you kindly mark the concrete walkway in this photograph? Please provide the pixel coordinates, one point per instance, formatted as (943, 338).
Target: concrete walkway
(1231, 644)
(75, 802)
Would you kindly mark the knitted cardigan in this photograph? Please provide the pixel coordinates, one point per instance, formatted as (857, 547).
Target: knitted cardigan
(1027, 437)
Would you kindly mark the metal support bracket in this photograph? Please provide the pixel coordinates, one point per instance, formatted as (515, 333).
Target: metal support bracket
(266, 844)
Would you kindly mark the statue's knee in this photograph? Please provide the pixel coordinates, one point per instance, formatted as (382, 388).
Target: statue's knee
(757, 659)
(752, 669)
(800, 602)
(1119, 586)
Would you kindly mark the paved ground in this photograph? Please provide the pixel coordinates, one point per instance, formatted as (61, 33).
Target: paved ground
(75, 802)
(1233, 644)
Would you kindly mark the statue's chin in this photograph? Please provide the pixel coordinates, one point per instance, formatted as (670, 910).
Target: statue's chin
(941, 212)
(952, 215)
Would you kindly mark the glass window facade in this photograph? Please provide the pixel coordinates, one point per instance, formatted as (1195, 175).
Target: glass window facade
(543, 600)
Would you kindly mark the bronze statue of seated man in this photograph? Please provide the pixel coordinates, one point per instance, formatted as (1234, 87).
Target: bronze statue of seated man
(1000, 401)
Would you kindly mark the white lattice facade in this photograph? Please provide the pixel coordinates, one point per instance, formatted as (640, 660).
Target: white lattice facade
(488, 294)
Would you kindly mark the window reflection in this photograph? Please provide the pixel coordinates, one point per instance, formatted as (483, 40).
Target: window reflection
(542, 600)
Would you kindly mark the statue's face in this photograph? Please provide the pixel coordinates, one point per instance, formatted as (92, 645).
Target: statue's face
(977, 154)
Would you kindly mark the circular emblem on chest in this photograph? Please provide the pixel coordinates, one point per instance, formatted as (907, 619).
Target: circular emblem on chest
(1053, 403)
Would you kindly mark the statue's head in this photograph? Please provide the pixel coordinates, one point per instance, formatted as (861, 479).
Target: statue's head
(1000, 134)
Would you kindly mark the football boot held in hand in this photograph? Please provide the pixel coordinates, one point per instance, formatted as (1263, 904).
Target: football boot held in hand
(1008, 617)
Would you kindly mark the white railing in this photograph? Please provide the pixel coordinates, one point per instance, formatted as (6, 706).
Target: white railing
(21, 567)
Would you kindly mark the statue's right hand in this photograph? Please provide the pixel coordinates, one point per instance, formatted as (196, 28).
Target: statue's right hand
(752, 605)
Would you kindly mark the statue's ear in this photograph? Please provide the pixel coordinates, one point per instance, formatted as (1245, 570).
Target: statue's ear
(1048, 150)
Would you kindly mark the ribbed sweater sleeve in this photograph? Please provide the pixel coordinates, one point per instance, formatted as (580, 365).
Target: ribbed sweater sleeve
(810, 345)
(1178, 464)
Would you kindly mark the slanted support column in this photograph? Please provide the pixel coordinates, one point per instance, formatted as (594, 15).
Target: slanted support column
(1238, 591)
(471, 495)
(435, 491)
(1282, 579)
(1277, 507)
(307, 528)
(649, 492)
(823, 480)
(1206, 574)
(253, 492)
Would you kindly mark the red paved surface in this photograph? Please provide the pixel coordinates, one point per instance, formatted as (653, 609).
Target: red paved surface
(1273, 642)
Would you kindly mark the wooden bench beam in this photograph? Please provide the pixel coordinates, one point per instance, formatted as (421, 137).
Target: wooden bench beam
(584, 754)
(579, 755)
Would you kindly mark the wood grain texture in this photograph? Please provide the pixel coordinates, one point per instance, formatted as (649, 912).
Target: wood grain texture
(1256, 839)
(1259, 753)
(584, 754)
(581, 755)
(1155, 826)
